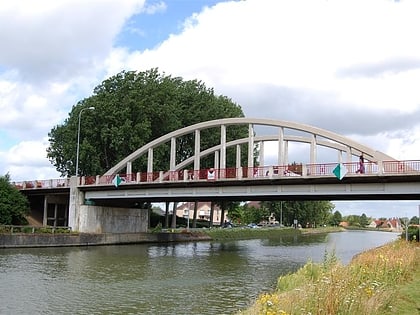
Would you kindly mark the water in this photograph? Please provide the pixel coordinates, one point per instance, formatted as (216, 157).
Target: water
(185, 278)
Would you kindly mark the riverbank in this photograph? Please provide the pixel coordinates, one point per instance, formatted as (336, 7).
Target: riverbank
(383, 280)
(248, 233)
(21, 240)
(66, 238)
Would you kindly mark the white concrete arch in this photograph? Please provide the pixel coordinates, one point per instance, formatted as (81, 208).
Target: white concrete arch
(316, 137)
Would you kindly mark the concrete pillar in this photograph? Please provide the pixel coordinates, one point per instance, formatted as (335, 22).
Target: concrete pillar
(76, 200)
(286, 153)
(173, 223)
(223, 147)
(238, 162)
(211, 214)
(312, 157)
(166, 214)
(250, 146)
(238, 156)
(129, 170)
(150, 161)
(197, 151)
(55, 214)
(194, 223)
(222, 214)
(45, 216)
(172, 160)
(313, 150)
(261, 154)
(280, 155)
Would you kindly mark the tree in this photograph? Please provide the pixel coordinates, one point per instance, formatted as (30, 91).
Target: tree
(308, 213)
(234, 211)
(414, 220)
(364, 221)
(353, 220)
(336, 218)
(132, 109)
(251, 214)
(13, 205)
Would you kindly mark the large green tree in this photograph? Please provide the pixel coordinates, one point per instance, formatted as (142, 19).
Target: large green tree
(13, 205)
(132, 109)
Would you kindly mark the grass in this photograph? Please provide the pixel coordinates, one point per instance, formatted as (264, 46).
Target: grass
(385, 280)
(219, 234)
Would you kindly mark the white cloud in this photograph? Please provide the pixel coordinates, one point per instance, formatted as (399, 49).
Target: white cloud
(17, 159)
(290, 57)
(53, 40)
(53, 55)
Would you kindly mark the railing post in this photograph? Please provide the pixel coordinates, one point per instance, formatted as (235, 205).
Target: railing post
(138, 177)
(380, 167)
(239, 173)
(304, 170)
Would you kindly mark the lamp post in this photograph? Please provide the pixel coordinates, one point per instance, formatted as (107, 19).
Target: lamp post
(78, 138)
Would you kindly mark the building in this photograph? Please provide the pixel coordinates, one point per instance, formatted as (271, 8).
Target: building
(186, 210)
(392, 224)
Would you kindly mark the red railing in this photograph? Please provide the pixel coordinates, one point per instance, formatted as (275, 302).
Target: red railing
(409, 167)
(46, 183)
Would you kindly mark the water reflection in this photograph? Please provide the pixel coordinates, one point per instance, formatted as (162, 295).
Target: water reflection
(194, 278)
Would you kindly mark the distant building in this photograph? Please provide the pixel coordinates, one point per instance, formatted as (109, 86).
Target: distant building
(343, 224)
(186, 210)
(393, 224)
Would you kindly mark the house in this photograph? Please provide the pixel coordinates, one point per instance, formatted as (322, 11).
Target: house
(393, 224)
(186, 210)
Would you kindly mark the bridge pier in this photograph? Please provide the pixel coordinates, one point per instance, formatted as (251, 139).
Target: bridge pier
(90, 218)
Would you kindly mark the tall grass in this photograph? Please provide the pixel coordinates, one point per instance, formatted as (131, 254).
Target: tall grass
(368, 285)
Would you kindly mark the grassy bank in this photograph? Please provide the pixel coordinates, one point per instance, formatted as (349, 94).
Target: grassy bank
(385, 280)
(248, 233)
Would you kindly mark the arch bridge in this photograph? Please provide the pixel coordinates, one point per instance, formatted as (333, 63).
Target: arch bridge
(258, 180)
(285, 132)
(107, 203)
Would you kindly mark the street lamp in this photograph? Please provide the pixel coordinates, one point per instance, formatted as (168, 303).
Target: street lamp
(78, 139)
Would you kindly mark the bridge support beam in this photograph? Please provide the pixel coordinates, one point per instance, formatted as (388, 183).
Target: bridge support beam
(89, 218)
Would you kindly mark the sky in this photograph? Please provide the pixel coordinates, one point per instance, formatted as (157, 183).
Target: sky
(351, 67)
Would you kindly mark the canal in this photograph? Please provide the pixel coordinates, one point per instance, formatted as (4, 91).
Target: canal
(184, 278)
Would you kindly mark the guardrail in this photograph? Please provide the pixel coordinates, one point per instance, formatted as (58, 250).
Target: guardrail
(48, 183)
(408, 167)
(259, 172)
(29, 229)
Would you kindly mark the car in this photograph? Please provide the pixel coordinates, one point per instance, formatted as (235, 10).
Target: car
(227, 225)
(253, 226)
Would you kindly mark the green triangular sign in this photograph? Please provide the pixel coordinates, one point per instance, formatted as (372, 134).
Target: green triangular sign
(340, 171)
(117, 180)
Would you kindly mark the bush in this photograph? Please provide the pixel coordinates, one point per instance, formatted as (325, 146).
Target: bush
(412, 233)
(13, 205)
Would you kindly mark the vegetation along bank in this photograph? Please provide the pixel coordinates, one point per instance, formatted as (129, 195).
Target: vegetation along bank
(384, 280)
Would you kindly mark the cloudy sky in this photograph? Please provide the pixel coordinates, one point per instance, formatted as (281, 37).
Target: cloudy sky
(352, 67)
